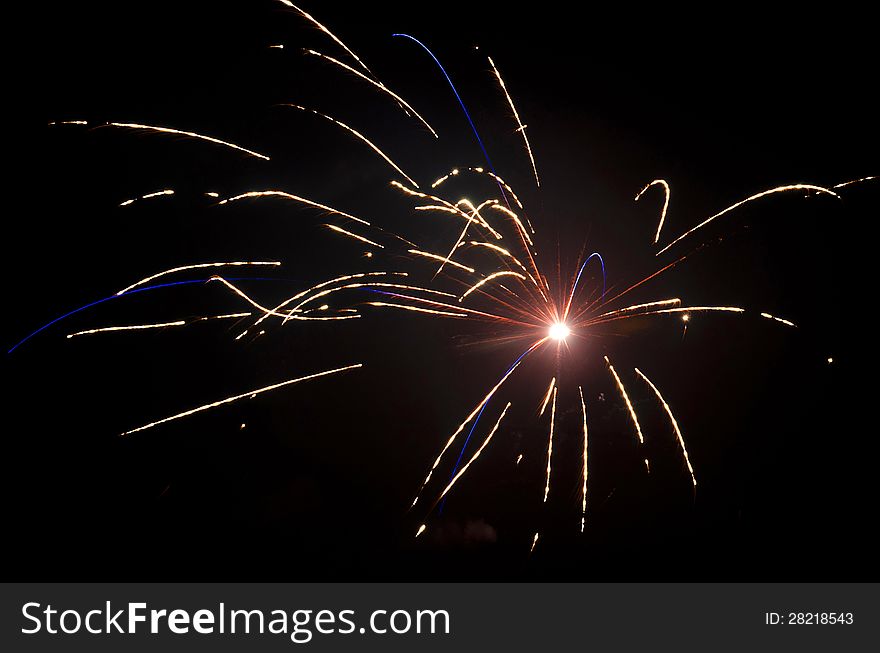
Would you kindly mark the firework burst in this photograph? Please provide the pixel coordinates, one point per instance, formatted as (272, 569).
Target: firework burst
(489, 273)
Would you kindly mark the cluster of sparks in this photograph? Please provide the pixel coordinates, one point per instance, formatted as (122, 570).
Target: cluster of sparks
(490, 273)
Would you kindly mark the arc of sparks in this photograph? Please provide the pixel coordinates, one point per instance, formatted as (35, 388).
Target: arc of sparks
(853, 181)
(473, 414)
(574, 286)
(353, 235)
(132, 327)
(326, 31)
(148, 196)
(586, 442)
(772, 191)
(159, 325)
(779, 319)
(444, 259)
(632, 411)
(550, 444)
(179, 132)
(292, 197)
(416, 309)
(378, 84)
(677, 430)
(195, 266)
(491, 277)
(358, 135)
(522, 127)
(547, 396)
(507, 254)
(251, 393)
(474, 457)
(660, 182)
(675, 301)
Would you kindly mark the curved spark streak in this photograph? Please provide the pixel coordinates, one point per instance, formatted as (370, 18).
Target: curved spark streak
(250, 393)
(416, 309)
(854, 181)
(467, 420)
(494, 275)
(457, 96)
(326, 31)
(138, 327)
(506, 253)
(455, 172)
(438, 257)
(148, 196)
(779, 319)
(578, 278)
(475, 456)
(778, 189)
(195, 266)
(675, 301)
(668, 410)
(684, 309)
(169, 130)
(550, 444)
(323, 284)
(661, 182)
(115, 296)
(629, 406)
(522, 128)
(547, 396)
(133, 327)
(406, 106)
(586, 442)
(357, 134)
(519, 225)
(355, 236)
(295, 198)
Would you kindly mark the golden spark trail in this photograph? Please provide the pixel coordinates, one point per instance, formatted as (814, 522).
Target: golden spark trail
(586, 440)
(416, 309)
(470, 417)
(629, 406)
(406, 106)
(506, 253)
(447, 207)
(195, 266)
(437, 257)
(134, 327)
(685, 309)
(295, 198)
(139, 327)
(674, 424)
(513, 216)
(351, 286)
(169, 130)
(547, 396)
(494, 275)
(251, 393)
(68, 122)
(779, 319)
(344, 278)
(357, 134)
(628, 309)
(778, 189)
(550, 444)
(854, 181)
(522, 127)
(469, 311)
(355, 236)
(534, 542)
(474, 457)
(326, 31)
(661, 182)
(148, 196)
(458, 242)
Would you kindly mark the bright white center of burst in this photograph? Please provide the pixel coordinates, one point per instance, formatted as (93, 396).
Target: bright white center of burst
(559, 331)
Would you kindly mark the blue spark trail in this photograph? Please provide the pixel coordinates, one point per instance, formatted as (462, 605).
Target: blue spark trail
(126, 294)
(463, 108)
(578, 278)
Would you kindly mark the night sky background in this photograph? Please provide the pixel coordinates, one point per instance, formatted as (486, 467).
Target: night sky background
(722, 102)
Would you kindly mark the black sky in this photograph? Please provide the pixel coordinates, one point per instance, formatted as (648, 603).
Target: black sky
(722, 103)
